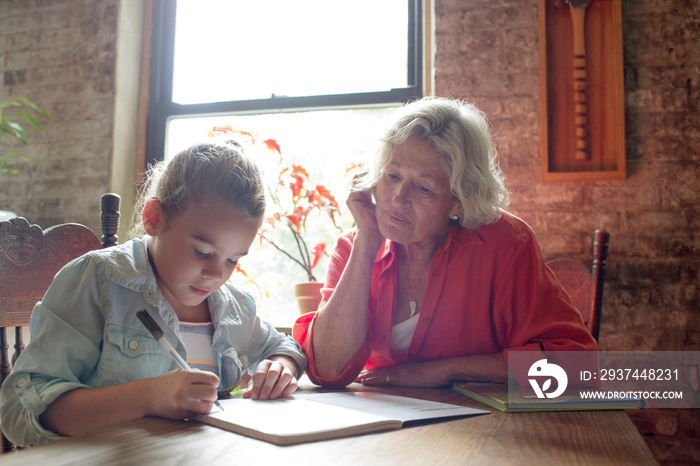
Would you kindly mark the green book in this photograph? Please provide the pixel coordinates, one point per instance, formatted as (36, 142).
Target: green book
(523, 399)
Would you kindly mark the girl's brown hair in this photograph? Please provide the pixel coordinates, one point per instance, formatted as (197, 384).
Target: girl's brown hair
(200, 175)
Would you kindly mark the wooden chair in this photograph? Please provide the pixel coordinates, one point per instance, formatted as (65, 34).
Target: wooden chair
(585, 286)
(29, 259)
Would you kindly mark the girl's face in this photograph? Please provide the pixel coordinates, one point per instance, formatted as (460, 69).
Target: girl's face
(196, 252)
(414, 200)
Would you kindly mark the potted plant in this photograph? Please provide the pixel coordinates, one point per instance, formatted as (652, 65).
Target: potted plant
(11, 118)
(9, 111)
(294, 199)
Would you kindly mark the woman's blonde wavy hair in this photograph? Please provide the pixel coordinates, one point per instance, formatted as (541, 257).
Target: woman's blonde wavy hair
(461, 135)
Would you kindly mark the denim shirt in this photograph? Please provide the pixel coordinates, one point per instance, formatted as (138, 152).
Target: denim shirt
(85, 333)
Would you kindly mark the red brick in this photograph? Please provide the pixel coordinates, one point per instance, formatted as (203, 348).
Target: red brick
(487, 52)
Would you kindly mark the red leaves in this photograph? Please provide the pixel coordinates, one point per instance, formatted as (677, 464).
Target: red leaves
(297, 180)
(306, 197)
(225, 130)
(354, 167)
(272, 145)
(294, 197)
(318, 251)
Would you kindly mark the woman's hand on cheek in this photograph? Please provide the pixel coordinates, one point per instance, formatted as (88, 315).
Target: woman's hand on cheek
(362, 207)
(272, 379)
(364, 212)
(180, 394)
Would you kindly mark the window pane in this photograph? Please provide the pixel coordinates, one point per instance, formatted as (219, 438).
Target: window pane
(323, 142)
(241, 49)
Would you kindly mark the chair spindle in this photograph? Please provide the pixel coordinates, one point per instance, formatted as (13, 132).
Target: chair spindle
(601, 240)
(110, 219)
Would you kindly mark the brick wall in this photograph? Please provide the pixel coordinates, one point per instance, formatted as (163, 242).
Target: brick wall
(487, 52)
(61, 55)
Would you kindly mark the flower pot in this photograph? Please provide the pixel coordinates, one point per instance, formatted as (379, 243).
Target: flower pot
(308, 296)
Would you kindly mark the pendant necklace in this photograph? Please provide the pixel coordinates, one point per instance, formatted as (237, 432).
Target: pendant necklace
(412, 303)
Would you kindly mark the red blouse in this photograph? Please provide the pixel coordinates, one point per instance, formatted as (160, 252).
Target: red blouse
(489, 291)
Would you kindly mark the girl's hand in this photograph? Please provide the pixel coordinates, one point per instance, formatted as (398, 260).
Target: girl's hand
(273, 378)
(180, 394)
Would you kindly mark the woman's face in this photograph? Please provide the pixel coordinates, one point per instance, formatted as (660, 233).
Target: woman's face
(414, 200)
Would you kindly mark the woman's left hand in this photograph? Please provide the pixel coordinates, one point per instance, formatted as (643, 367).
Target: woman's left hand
(411, 374)
(273, 378)
(440, 372)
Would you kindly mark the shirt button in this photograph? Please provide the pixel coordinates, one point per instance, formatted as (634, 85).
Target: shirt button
(133, 344)
(21, 383)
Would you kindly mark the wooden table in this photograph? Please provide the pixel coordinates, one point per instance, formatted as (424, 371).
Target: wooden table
(580, 437)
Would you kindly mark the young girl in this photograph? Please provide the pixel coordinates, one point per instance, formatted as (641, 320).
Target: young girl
(91, 363)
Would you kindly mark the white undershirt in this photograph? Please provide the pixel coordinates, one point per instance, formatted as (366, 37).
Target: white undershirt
(402, 334)
(197, 338)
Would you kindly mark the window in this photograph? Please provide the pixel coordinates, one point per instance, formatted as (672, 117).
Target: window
(317, 76)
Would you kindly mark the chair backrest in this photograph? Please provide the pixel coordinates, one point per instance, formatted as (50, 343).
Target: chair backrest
(584, 286)
(29, 259)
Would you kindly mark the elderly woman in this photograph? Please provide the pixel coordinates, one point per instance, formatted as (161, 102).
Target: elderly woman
(437, 282)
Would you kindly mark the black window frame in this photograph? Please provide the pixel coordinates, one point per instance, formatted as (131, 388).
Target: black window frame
(161, 107)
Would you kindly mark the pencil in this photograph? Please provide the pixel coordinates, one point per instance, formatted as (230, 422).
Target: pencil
(157, 332)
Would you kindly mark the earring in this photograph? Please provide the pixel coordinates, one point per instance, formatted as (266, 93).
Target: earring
(455, 218)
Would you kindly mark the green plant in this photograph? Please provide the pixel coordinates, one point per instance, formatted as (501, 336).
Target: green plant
(11, 118)
(294, 197)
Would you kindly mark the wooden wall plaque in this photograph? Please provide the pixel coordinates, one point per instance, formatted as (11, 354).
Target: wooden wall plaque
(582, 108)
